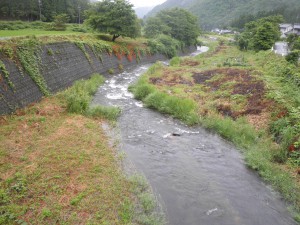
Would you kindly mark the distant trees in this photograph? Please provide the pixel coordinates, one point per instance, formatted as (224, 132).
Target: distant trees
(260, 34)
(290, 14)
(177, 23)
(30, 9)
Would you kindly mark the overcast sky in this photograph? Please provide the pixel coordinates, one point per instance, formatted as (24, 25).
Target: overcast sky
(142, 3)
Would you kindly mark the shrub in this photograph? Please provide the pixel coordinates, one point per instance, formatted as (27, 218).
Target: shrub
(293, 57)
(175, 61)
(164, 44)
(59, 22)
(111, 113)
(78, 97)
(142, 91)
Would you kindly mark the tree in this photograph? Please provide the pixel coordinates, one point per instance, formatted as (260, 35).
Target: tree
(155, 27)
(178, 23)
(60, 21)
(265, 37)
(260, 34)
(115, 17)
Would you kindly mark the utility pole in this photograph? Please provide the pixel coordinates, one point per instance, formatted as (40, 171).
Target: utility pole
(40, 9)
(79, 8)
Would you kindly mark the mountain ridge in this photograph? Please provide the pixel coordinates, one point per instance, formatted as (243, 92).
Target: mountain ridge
(220, 13)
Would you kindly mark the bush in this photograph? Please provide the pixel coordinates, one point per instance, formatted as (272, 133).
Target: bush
(111, 113)
(184, 109)
(79, 29)
(78, 97)
(293, 57)
(175, 61)
(59, 22)
(165, 45)
(13, 25)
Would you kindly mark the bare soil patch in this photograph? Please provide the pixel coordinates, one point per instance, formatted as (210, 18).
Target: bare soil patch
(171, 78)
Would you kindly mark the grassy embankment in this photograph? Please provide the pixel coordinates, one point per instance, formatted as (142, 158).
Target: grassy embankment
(21, 28)
(251, 99)
(57, 166)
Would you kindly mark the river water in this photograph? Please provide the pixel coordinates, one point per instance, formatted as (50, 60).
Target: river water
(200, 178)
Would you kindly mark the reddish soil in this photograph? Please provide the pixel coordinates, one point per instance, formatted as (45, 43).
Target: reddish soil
(171, 78)
(220, 48)
(190, 62)
(245, 85)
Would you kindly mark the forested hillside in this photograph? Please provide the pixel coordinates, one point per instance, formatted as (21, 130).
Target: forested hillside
(30, 9)
(218, 13)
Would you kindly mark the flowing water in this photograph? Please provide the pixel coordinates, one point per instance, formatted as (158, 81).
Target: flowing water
(200, 178)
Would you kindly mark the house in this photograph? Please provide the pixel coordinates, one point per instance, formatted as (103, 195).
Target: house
(286, 29)
(297, 29)
(221, 31)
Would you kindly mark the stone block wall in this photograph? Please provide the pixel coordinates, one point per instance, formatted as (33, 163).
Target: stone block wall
(61, 65)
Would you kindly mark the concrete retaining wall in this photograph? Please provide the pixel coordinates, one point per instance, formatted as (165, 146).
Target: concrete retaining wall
(60, 69)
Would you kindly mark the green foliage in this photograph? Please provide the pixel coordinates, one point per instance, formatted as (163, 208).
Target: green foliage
(46, 213)
(148, 211)
(78, 97)
(184, 109)
(175, 61)
(81, 46)
(178, 23)
(111, 71)
(29, 55)
(293, 57)
(261, 34)
(155, 26)
(59, 22)
(294, 44)
(265, 37)
(233, 13)
(106, 112)
(5, 73)
(29, 10)
(127, 212)
(165, 45)
(13, 25)
(77, 101)
(77, 199)
(239, 132)
(115, 17)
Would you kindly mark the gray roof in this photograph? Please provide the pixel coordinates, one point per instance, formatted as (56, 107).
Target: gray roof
(284, 25)
(296, 26)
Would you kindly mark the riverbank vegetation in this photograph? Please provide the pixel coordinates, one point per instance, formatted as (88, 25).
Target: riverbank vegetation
(58, 166)
(250, 98)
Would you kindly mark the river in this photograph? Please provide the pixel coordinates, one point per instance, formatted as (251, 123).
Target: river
(200, 178)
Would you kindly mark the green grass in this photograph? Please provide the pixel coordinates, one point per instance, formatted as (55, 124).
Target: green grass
(59, 168)
(27, 32)
(78, 97)
(148, 212)
(106, 112)
(180, 108)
